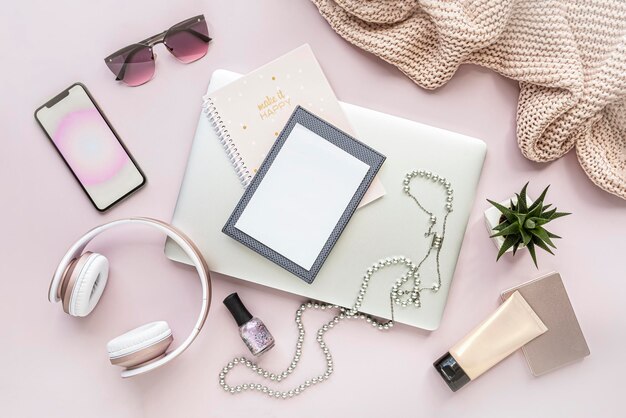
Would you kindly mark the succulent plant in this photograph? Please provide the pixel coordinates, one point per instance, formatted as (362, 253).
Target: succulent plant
(523, 225)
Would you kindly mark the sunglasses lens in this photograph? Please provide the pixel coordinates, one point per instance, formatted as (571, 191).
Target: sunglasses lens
(133, 65)
(188, 42)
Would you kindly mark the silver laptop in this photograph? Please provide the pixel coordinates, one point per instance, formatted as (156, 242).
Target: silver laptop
(390, 226)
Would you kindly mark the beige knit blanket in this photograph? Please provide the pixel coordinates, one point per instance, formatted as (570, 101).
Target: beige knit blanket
(568, 56)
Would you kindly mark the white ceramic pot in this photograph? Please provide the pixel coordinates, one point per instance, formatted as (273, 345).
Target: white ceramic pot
(492, 219)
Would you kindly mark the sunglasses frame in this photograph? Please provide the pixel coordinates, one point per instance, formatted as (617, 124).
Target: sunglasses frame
(159, 38)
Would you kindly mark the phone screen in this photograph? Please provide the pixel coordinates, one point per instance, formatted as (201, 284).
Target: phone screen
(90, 147)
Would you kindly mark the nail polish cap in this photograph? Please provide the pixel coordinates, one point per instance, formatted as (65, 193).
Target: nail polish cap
(451, 372)
(237, 309)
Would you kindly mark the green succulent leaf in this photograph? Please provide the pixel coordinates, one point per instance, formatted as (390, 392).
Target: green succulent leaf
(526, 236)
(510, 229)
(531, 250)
(508, 243)
(542, 234)
(548, 214)
(539, 243)
(539, 202)
(529, 224)
(516, 246)
(508, 213)
(521, 199)
(539, 221)
(521, 204)
(535, 212)
(558, 215)
(551, 235)
(501, 226)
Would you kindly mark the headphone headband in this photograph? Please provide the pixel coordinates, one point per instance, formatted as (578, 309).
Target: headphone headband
(190, 250)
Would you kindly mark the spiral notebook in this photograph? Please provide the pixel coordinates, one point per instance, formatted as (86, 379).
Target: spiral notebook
(249, 114)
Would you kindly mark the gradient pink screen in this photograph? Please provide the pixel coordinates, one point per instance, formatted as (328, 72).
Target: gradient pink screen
(89, 146)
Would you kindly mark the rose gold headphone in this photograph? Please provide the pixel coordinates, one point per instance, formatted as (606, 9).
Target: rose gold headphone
(79, 281)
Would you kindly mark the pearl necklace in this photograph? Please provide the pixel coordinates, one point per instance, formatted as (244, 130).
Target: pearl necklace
(399, 295)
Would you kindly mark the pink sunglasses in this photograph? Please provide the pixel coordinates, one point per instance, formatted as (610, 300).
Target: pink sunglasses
(188, 41)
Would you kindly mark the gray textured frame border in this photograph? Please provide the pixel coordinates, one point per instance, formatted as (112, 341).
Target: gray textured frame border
(336, 137)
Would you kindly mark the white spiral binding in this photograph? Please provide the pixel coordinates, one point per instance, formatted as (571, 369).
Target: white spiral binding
(209, 109)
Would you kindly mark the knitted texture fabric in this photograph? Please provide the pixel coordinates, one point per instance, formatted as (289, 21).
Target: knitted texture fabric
(569, 57)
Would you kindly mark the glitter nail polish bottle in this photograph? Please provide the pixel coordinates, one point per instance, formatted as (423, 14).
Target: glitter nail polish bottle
(252, 330)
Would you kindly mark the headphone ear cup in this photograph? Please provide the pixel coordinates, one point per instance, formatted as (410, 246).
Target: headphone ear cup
(140, 345)
(88, 285)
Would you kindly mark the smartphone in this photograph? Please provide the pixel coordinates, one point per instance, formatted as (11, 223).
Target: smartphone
(90, 147)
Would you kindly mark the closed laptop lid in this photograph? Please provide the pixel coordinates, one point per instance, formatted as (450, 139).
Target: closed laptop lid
(390, 226)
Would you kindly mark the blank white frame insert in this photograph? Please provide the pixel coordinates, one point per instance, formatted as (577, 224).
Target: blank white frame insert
(302, 197)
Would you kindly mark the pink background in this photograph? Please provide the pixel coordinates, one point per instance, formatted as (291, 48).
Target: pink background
(56, 366)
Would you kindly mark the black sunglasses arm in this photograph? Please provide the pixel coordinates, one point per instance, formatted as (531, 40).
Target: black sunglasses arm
(199, 35)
